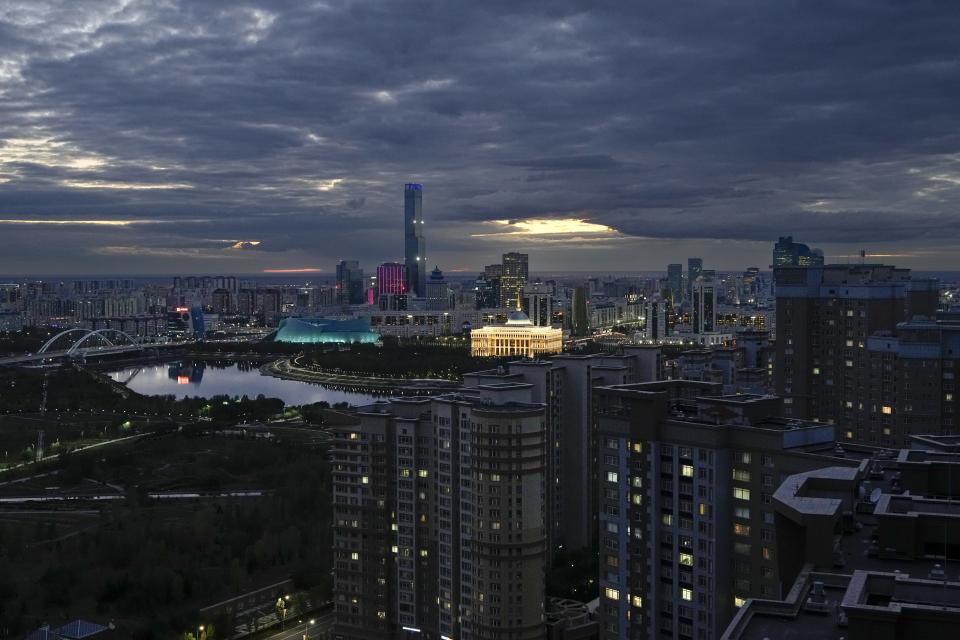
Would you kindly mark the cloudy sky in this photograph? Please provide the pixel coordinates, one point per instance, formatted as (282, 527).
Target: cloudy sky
(175, 136)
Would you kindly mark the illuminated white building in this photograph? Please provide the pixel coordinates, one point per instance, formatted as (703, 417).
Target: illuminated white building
(518, 337)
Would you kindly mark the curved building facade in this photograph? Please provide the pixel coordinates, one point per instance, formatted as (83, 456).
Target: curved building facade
(518, 337)
(325, 331)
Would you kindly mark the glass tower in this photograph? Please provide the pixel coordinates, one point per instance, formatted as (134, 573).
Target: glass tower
(415, 248)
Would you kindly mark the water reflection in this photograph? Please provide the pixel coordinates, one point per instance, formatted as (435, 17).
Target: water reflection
(197, 378)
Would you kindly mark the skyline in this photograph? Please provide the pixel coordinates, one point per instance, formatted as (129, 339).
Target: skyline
(212, 137)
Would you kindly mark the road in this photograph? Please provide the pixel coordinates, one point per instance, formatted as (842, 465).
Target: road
(320, 630)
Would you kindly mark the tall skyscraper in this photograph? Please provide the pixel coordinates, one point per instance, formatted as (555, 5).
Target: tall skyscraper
(704, 305)
(579, 319)
(787, 253)
(675, 281)
(350, 289)
(514, 278)
(694, 271)
(415, 248)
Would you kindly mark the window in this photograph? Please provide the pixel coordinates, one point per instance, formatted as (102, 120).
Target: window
(612, 476)
(738, 602)
(667, 519)
(816, 371)
(703, 509)
(636, 481)
(423, 473)
(741, 475)
(636, 601)
(741, 494)
(742, 548)
(611, 594)
(741, 529)
(354, 556)
(743, 457)
(365, 480)
(612, 527)
(686, 470)
(637, 447)
(742, 512)
(686, 559)
(887, 410)
(948, 397)
(767, 553)
(686, 594)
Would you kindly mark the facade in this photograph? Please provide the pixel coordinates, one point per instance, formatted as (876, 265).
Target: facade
(656, 317)
(694, 271)
(325, 331)
(415, 247)
(826, 317)
(579, 318)
(787, 253)
(704, 306)
(675, 282)
(391, 278)
(350, 287)
(518, 337)
(539, 303)
(437, 294)
(516, 271)
(564, 385)
(686, 480)
(439, 525)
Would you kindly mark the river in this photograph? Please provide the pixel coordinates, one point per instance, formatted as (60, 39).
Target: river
(190, 378)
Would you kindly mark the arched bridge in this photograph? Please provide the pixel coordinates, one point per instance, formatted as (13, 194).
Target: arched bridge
(90, 339)
(82, 343)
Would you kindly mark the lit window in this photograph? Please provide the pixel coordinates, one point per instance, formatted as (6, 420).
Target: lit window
(849, 435)
(354, 556)
(354, 435)
(686, 470)
(742, 512)
(423, 553)
(703, 509)
(637, 498)
(741, 475)
(612, 527)
(611, 594)
(738, 602)
(612, 476)
(887, 410)
(767, 553)
(948, 397)
(686, 559)
(495, 525)
(741, 529)
(638, 447)
(816, 371)
(423, 473)
(636, 481)
(404, 473)
(365, 480)
(849, 363)
(494, 477)
(636, 601)
(667, 519)
(686, 594)
(741, 494)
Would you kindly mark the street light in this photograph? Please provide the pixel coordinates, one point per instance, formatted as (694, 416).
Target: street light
(199, 631)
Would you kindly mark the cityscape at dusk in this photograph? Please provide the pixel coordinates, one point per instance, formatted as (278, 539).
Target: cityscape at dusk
(434, 320)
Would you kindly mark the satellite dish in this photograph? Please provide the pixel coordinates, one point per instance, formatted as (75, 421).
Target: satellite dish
(875, 495)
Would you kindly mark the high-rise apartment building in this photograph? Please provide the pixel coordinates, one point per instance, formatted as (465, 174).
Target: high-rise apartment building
(579, 318)
(350, 286)
(675, 281)
(564, 385)
(826, 317)
(656, 315)
(415, 248)
(514, 278)
(694, 271)
(439, 527)
(787, 253)
(704, 300)
(685, 489)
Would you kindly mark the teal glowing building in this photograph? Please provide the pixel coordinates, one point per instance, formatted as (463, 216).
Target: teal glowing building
(326, 331)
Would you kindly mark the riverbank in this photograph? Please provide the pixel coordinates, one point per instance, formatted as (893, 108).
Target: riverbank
(286, 369)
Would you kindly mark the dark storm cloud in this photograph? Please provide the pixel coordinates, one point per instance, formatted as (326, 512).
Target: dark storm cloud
(295, 124)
